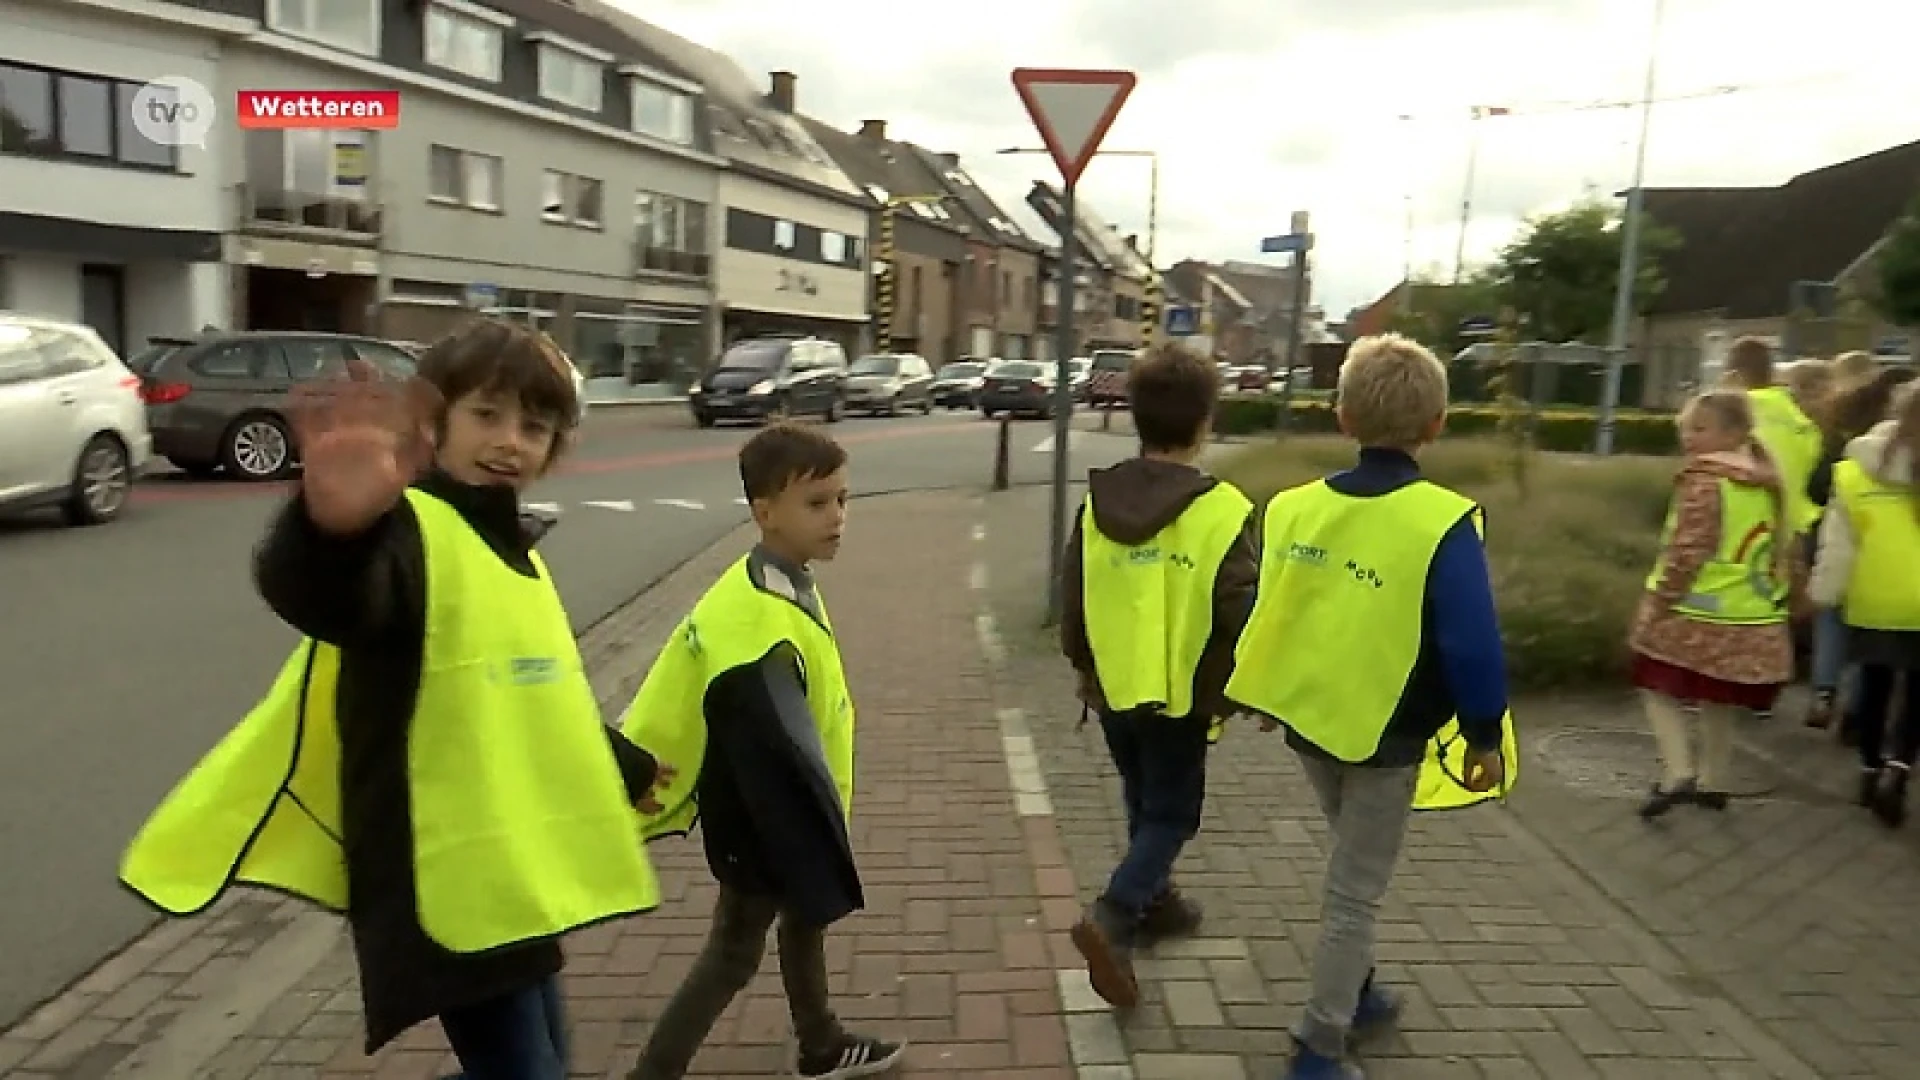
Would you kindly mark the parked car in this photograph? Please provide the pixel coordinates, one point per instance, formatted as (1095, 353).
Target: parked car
(886, 383)
(765, 377)
(957, 386)
(73, 433)
(1107, 383)
(1019, 388)
(216, 402)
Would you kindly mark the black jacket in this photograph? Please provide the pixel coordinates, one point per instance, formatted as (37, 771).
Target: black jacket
(367, 596)
(1132, 502)
(770, 817)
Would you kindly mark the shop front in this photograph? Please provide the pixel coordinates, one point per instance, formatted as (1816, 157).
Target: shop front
(852, 332)
(627, 350)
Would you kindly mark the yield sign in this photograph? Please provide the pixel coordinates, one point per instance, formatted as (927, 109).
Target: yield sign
(1072, 108)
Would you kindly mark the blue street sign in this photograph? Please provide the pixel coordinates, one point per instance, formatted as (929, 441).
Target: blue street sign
(1281, 245)
(1182, 321)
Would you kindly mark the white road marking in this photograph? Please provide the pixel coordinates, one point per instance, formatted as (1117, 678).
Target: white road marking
(1045, 446)
(625, 506)
(544, 508)
(684, 504)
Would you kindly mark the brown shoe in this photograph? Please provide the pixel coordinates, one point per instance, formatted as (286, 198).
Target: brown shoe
(1171, 915)
(1104, 943)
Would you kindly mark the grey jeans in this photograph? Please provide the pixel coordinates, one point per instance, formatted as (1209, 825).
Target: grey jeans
(1367, 811)
(728, 962)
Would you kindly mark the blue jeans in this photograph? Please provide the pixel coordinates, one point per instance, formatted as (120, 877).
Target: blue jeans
(517, 1036)
(1162, 763)
(1829, 649)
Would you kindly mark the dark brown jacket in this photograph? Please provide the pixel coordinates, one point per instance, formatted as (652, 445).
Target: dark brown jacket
(1132, 502)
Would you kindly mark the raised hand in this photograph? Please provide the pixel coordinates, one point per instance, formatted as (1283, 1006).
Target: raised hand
(362, 440)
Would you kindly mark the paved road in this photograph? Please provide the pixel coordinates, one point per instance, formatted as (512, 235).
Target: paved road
(128, 650)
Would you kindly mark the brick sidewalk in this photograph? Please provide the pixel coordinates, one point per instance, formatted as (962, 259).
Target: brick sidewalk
(957, 950)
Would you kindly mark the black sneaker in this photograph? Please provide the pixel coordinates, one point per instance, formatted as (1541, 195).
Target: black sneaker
(857, 1055)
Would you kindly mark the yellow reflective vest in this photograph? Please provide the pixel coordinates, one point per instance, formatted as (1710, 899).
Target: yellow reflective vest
(1883, 591)
(1149, 607)
(734, 624)
(1738, 584)
(521, 825)
(1336, 630)
(1792, 439)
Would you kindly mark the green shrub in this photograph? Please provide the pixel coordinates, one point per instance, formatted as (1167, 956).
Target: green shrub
(1564, 429)
(1569, 560)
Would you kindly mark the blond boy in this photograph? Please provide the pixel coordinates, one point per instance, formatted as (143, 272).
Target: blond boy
(1373, 629)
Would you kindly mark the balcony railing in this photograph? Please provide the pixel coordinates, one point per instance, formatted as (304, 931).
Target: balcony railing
(656, 260)
(301, 213)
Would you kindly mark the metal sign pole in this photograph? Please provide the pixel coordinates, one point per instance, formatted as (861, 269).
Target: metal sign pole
(1065, 344)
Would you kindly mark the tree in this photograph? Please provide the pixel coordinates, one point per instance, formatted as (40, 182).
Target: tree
(1898, 294)
(1561, 273)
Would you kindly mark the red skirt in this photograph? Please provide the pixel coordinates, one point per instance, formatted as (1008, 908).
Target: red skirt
(1684, 684)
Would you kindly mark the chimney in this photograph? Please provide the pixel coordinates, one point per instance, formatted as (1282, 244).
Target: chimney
(951, 161)
(782, 95)
(1133, 241)
(874, 129)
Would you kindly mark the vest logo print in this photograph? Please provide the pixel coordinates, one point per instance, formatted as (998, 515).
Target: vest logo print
(1364, 574)
(1756, 554)
(1307, 553)
(1143, 556)
(533, 670)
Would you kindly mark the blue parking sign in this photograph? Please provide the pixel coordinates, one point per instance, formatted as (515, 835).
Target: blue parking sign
(1182, 322)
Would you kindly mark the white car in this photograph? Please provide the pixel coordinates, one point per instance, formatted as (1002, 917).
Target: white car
(73, 430)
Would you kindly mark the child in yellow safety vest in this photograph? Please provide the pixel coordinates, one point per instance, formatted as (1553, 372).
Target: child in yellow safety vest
(1157, 584)
(748, 700)
(1374, 639)
(1712, 627)
(431, 760)
(1868, 568)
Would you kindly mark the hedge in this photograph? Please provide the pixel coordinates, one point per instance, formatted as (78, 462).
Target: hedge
(1569, 430)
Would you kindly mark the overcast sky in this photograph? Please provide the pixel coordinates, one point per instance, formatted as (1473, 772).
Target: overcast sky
(1261, 107)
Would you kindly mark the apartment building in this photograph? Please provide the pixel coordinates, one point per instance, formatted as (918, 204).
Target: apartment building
(99, 223)
(547, 168)
(915, 283)
(1003, 274)
(792, 253)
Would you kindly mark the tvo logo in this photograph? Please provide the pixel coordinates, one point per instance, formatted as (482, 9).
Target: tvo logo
(172, 110)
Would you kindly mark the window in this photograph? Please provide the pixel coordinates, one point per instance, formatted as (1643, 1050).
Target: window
(310, 358)
(662, 113)
(464, 177)
(233, 361)
(671, 233)
(60, 114)
(783, 235)
(880, 194)
(958, 178)
(466, 38)
(570, 78)
(569, 199)
(353, 25)
(392, 362)
(833, 247)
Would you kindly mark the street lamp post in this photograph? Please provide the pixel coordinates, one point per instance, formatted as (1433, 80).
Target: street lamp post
(883, 302)
(1629, 250)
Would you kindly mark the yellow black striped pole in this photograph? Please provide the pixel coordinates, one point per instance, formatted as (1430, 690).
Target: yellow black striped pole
(1150, 311)
(883, 302)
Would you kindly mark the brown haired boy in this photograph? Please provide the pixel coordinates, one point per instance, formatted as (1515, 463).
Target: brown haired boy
(447, 778)
(750, 702)
(1159, 579)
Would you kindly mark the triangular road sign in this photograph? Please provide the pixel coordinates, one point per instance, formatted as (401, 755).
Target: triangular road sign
(1072, 108)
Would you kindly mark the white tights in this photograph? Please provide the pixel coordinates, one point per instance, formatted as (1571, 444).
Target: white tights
(1671, 732)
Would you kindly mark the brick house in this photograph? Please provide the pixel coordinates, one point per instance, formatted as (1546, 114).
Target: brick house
(1006, 267)
(930, 245)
